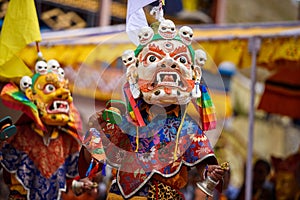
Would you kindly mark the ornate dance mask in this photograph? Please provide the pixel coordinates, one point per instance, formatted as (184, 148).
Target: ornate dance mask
(52, 97)
(165, 71)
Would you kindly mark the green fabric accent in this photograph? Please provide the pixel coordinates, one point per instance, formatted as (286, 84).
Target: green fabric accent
(19, 96)
(207, 104)
(98, 151)
(199, 101)
(34, 78)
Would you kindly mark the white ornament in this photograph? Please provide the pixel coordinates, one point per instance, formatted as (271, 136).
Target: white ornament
(200, 58)
(25, 83)
(41, 67)
(135, 91)
(129, 60)
(167, 29)
(186, 34)
(61, 73)
(196, 92)
(158, 13)
(53, 65)
(145, 35)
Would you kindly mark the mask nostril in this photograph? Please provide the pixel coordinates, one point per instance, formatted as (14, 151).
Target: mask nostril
(173, 66)
(163, 65)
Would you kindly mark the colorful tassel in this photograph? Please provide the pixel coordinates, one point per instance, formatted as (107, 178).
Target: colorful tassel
(206, 109)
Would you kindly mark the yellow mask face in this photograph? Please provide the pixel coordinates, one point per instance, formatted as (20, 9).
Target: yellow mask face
(51, 95)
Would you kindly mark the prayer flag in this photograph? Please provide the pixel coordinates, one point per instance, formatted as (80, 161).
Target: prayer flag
(20, 28)
(136, 18)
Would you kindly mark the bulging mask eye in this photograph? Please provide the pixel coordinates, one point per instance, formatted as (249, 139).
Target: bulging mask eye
(49, 88)
(182, 59)
(152, 58)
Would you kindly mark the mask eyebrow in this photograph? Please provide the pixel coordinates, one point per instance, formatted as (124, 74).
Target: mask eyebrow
(153, 47)
(151, 53)
(178, 50)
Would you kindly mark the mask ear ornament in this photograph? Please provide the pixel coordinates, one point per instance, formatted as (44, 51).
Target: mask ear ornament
(196, 93)
(130, 61)
(200, 57)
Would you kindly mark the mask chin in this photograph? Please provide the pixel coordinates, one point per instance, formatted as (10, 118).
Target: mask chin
(56, 119)
(165, 97)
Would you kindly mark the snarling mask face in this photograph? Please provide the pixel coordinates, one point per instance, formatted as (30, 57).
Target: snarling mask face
(165, 72)
(165, 69)
(52, 97)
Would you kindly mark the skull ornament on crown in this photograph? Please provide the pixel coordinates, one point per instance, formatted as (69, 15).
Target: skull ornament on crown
(41, 67)
(53, 65)
(186, 34)
(167, 29)
(165, 67)
(145, 35)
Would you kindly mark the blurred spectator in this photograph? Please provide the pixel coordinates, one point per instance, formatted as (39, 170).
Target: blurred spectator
(287, 177)
(227, 69)
(262, 188)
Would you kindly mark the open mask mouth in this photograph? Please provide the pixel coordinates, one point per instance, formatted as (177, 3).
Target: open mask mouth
(58, 106)
(169, 79)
